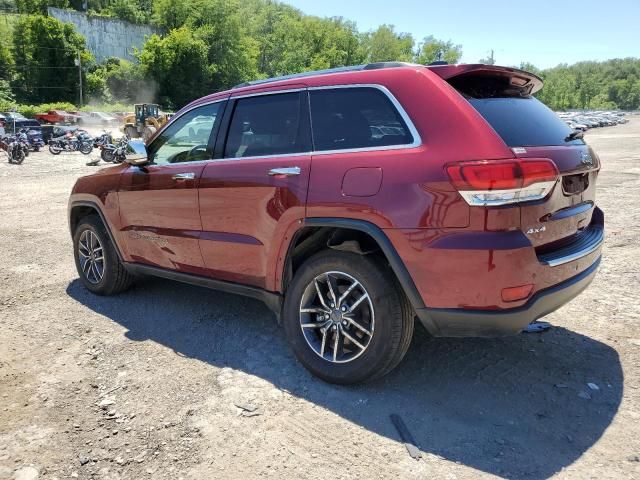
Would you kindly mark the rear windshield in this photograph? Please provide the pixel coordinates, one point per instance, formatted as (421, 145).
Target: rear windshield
(524, 121)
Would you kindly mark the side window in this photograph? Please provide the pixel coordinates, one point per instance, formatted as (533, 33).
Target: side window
(187, 138)
(359, 117)
(267, 125)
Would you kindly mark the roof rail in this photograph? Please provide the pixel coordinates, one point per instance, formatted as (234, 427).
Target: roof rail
(328, 71)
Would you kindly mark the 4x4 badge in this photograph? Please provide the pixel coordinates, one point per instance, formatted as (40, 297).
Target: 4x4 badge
(541, 229)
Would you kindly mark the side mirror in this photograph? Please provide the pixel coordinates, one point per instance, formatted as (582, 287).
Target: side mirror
(136, 153)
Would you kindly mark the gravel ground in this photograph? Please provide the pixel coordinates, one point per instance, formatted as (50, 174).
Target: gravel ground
(174, 381)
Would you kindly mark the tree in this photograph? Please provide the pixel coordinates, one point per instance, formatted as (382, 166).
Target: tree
(170, 14)
(6, 59)
(39, 6)
(384, 44)
(134, 11)
(432, 50)
(45, 51)
(231, 53)
(178, 63)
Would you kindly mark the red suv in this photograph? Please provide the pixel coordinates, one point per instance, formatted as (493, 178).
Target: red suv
(352, 201)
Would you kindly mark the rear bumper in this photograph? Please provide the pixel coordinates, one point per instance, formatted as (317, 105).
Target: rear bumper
(456, 322)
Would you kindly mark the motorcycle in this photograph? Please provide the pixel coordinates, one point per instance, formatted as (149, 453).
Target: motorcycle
(104, 142)
(81, 142)
(14, 148)
(115, 152)
(35, 140)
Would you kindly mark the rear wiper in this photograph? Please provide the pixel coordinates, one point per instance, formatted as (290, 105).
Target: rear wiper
(574, 135)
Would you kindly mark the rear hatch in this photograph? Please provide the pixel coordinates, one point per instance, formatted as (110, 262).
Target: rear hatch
(503, 96)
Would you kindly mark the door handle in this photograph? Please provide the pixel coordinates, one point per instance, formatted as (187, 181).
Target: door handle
(285, 171)
(183, 176)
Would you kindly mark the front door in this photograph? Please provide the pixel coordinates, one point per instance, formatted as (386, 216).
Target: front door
(258, 187)
(159, 202)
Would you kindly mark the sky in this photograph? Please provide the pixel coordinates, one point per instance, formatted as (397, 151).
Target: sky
(543, 32)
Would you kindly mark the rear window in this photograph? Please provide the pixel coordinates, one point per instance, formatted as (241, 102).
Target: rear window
(523, 121)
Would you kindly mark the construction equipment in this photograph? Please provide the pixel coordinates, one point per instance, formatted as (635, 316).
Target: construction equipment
(145, 121)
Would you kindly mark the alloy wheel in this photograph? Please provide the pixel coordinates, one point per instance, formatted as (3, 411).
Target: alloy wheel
(337, 317)
(91, 256)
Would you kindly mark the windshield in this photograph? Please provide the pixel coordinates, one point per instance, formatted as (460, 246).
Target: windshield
(524, 121)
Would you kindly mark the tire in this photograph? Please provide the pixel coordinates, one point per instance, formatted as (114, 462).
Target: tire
(131, 132)
(148, 132)
(390, 325)
(114, 278)
(17, 156)
(86, 148)
(55, 150)
(107, 155)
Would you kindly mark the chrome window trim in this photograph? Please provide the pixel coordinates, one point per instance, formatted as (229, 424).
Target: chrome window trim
(175, 119)
(258, 157)
(417, 140)
(268, 92)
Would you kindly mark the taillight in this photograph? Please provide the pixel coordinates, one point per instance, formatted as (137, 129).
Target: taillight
(500, 182)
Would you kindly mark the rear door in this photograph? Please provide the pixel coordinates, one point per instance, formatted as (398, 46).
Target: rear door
(257, 186)
(159, 202)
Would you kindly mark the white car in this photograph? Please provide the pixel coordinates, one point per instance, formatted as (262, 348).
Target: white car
(98, 118)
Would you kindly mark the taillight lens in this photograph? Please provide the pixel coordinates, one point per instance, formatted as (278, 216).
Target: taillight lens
(501, 182)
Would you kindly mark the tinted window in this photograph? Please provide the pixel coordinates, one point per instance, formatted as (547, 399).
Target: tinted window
(523, 121)
(187, 138)
(361, 117)
(267, 125)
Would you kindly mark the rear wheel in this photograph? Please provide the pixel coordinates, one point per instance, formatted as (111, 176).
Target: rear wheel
(54, 149)
(107, 155)
(97, 261)
(346, 318)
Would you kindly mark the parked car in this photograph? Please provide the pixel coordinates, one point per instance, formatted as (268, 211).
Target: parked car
(352, 201)
(16, 124)
(56, 116)
(10, 116)
(97, 118)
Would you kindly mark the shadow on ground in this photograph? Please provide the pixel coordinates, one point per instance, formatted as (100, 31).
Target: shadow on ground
(509, 407)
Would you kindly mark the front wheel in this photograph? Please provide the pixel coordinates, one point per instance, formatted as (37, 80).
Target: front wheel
(107, 155)
(54, 149)
(346, 318)
(97, 261)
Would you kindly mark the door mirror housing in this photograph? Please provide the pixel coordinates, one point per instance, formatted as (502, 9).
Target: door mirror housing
(136, 153)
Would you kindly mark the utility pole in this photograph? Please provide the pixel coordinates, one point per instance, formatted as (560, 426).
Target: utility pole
(493, 60)
(79, 64)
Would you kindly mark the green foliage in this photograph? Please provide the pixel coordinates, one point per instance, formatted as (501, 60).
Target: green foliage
(591, 85)
(45, 50)
(134, 11)
(6, 59)
(385, 44)
(30, 111)
(39, 6)
(432, 50)
(6, 95)
(178, 62)
(117, 80)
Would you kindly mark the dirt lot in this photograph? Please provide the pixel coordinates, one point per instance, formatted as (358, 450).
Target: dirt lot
(146, 384)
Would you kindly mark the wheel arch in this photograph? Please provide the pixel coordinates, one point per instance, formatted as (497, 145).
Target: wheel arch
(358, 236)
(80, 209)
